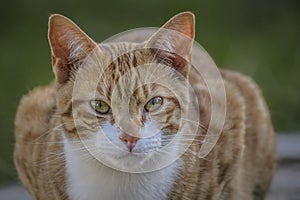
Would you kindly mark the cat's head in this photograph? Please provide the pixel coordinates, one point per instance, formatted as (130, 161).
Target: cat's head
(122, 103)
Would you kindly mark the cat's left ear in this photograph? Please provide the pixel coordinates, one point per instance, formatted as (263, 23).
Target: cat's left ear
(173, 42)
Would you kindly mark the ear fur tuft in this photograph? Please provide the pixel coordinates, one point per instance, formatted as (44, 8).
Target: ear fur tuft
(69, 44)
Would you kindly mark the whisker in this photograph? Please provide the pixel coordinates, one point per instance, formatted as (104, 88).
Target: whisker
(46, 133)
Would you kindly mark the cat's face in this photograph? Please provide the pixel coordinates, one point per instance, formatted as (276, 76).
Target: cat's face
(121, 103)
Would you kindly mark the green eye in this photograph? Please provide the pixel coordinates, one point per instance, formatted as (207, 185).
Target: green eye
(100, 106)
(153, 104)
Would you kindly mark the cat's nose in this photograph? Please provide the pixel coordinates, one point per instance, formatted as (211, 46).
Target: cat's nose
(129, 140)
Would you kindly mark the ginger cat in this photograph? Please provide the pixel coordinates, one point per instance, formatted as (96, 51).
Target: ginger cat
(129, 119)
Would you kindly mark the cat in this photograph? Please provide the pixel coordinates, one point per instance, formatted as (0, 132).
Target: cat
(133, 118)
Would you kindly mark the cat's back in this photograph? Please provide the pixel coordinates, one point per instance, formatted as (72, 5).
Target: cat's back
(35, 141)
(258, 158)
(34, 113)
(31, 123)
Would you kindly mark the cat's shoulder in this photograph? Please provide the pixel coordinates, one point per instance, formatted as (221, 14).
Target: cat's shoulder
(35, 110)
(241, 82)
(244, 87)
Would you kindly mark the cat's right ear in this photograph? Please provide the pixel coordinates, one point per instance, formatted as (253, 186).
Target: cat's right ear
(173, 42)
(69, 45)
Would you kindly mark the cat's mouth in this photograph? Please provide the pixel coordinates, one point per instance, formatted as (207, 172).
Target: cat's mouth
(148, 153)
(145, 156)
(152, 150)
(142, 145)
(150, 139)
(146, 145)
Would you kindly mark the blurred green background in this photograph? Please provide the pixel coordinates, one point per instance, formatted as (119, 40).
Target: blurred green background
(259, 38)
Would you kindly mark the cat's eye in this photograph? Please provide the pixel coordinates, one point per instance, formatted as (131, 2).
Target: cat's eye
(100, 106)
(153, 104)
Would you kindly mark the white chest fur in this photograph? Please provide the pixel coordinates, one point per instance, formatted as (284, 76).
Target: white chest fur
(91, 180)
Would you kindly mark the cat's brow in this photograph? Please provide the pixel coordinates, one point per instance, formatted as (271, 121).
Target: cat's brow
(77, 102)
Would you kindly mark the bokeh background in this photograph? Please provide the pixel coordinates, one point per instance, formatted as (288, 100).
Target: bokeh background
(259, 38)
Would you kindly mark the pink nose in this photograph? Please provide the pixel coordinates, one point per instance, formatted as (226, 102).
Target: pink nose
(129, 140)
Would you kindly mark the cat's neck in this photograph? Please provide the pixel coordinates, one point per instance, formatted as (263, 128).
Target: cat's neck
(93, 180)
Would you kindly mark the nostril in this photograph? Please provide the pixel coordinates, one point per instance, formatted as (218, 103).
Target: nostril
(129, 140)
(124, 139)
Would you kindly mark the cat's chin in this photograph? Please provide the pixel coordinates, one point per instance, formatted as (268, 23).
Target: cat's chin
(136, 162)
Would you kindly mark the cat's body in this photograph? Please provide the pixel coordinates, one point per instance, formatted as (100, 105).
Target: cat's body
(53, 164)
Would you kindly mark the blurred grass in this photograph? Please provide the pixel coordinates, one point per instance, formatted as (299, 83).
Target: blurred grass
(259, 38)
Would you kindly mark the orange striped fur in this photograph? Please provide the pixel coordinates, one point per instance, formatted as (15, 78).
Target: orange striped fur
(55, 122)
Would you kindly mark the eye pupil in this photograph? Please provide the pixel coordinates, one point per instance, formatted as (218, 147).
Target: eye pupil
(153, 104)
(156, 100)
(100, 106)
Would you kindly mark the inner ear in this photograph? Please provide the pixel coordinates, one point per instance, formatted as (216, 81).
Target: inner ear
(172, 43)
(177, 35)
(173, 60)
(69, 45)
